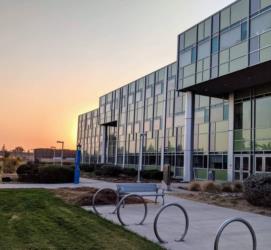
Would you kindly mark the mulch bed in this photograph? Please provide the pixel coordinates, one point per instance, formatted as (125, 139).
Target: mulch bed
(82, 196)
(228, 200)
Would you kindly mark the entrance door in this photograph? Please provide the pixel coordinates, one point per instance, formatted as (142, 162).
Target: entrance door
(241, 167)
(262, 163)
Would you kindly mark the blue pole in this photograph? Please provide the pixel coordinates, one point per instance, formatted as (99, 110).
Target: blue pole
(77, 165)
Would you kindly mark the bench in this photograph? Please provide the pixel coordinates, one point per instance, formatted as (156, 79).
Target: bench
(143, 189)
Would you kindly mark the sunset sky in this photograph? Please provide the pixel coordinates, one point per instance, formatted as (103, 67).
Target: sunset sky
(59, 56)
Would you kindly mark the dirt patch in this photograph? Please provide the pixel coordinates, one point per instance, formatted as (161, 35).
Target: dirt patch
(228, 200)
(82, 196)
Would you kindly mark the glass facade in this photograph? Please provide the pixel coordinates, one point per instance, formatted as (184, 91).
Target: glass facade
(231, 137)
(235, 38)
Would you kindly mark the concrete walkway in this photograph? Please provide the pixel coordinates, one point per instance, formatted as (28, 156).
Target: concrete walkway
(204, 221)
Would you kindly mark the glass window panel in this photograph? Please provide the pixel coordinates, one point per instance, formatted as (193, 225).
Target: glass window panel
(261, 23)
(181, 42)
(221, 142)
(254, 43)
(265, 3)
(265, 39)
(263, 112)
(239, 64)
(254, 6)
(239, 10)
(224, 69)
(190, 37)
(225, 18)
(200, 31)
(268, 164)
(244, 31)
(231, 37)
(189, 70)
(215, 23)
(193, 55)
(215, 44)
(185, 58)
(242, 115)
(254, 58)
(224, 56)
(207, 28)
(203, 50)
(265, 54)
(259, 164)
(215, 60)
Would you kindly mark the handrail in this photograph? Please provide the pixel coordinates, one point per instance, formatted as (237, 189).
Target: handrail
(157, 217)
(123, 200)
(100, 190)
(227, 222)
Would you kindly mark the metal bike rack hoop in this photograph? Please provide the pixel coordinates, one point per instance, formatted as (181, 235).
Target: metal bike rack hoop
(121, 202)
(227, 222)
(99, 191)
(157, 217)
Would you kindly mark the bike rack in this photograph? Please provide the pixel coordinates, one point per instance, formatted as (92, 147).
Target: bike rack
(157, 217)
(227, 222)
(99, 191)
(123, 200)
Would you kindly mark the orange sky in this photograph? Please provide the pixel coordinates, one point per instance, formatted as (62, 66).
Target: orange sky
(58, 57)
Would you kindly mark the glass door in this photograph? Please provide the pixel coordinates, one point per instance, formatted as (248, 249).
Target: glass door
(241, 167)
(262, 163)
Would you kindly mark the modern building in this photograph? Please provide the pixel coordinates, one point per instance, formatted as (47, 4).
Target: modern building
(209, 110)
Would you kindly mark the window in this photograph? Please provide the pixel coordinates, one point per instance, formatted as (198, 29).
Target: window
(261, 24)
(230, 37)
(215, 24)
(244, 31)
(239, 10)
(204, 50)
(190, 37)
(215, 44)
(185, 58)
(254, 6)
(193, 55)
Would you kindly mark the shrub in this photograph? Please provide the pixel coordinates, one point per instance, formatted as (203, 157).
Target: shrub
(238, 187)
(210, 187)
(131, 172)
(87, 167)
(152, 174)
(194, 186)
(10, 165)
(108, 170)
(56, 174)
(28, 172)
(257, 189)
(227, 187)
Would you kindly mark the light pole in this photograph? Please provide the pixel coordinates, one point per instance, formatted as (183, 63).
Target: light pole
(54, 156)
(62, 148)
(139, 168)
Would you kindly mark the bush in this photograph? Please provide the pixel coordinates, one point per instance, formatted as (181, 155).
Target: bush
(33, 173)
(10, 165)
(210, 187)
(56, 174)
(238, 187)
(152, 174)
(257, 189)
(28, 172)
(87, 167)
(227, 187)
(108, 170)
(194, 186)
(131, 172)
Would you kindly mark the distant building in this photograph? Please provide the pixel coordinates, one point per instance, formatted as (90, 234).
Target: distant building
(51, 155)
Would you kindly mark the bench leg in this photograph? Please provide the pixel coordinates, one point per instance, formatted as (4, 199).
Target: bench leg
(163, 200)
(156, 199)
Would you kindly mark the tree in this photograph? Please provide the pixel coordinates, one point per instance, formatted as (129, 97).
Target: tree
(18, 149)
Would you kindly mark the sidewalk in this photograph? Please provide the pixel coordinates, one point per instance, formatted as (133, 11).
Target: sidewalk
(204, 221)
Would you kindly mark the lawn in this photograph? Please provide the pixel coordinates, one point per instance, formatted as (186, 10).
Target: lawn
(36, 219)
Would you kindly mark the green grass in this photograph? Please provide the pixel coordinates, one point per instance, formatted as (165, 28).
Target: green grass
(35, 219)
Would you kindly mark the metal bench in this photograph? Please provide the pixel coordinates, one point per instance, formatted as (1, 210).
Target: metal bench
(143, 189)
